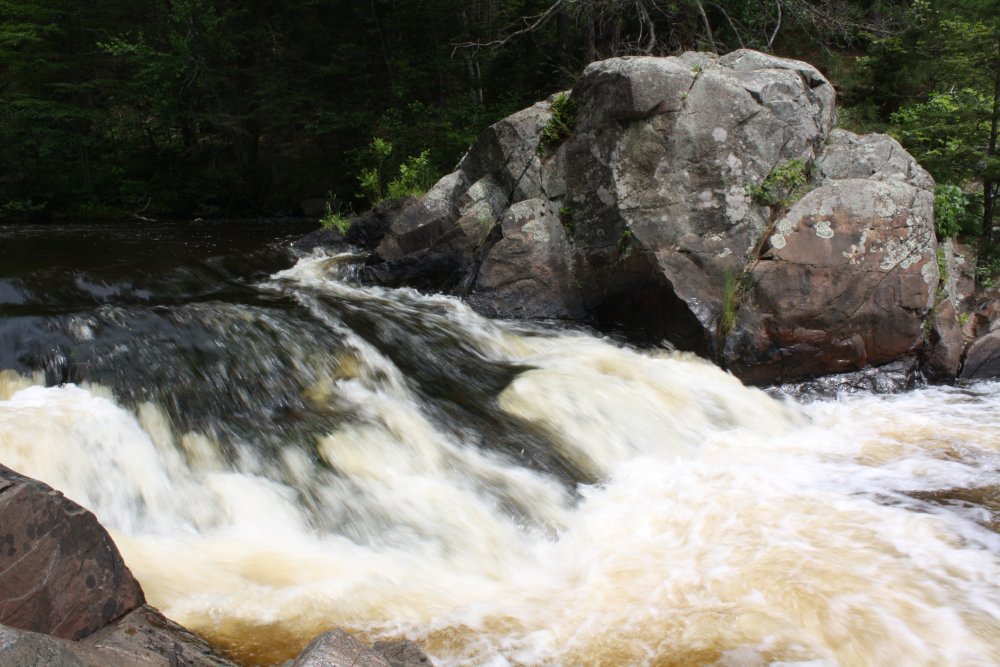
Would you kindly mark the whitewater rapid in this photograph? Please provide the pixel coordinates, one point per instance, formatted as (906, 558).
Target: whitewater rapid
(690, 520)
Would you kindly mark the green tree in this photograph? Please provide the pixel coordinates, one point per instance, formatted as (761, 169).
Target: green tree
(938, 86)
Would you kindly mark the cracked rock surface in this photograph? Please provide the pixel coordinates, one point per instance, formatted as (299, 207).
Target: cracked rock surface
(641, 220)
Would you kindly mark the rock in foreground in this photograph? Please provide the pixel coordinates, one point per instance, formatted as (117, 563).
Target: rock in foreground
(60, 573)
(66, 597)
(68, 600)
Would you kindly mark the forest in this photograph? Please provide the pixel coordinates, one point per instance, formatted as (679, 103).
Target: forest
(202, 108)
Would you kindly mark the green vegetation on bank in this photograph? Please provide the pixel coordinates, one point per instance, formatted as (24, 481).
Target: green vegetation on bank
(935, 86)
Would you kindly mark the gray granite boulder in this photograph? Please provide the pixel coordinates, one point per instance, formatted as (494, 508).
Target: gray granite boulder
(647, 218)
(528, 273)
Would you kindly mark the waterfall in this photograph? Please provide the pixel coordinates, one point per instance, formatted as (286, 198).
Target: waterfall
(321, 454)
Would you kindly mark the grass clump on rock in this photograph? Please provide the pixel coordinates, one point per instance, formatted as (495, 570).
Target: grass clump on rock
(560, 125)
(783, 186)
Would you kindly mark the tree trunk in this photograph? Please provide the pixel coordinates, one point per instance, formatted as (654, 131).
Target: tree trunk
(562, 37)
(589, 48)
(990, 185)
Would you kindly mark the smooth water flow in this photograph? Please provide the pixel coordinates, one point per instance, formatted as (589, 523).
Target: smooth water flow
(278, 451)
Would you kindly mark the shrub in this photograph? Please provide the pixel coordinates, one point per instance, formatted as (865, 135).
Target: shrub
(783, 186)
(561, 124)
(416, 176)
(949, 203)
(337, 221)
(371, 177)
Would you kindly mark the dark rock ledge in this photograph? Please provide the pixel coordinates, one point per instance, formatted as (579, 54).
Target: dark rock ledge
(68, 600)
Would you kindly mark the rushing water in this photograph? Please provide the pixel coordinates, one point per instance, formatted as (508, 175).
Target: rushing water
(278, 451)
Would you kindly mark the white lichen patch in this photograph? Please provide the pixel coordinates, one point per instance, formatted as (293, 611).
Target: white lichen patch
(785, 226)
(605, 196)
(902, 253)
(777, 241)
(885, 207)
(537, 231)
(823, 229)
(735, 165)
(725, 252)
(720, 134)
(737, 204)
(929, 272)
(706, 200)
(857, 249)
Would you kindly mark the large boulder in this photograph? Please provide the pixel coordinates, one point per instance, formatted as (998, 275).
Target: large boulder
(60, 573)
(529, 272)
(66, 597)
(846, 280)
(649, 218)
(982, 360)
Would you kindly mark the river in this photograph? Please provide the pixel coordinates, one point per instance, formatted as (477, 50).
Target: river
(277, 451)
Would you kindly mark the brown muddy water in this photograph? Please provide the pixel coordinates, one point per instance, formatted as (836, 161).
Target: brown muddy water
(278, 451)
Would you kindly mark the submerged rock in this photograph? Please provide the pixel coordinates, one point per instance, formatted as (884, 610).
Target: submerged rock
(338, 649)
(403, 654)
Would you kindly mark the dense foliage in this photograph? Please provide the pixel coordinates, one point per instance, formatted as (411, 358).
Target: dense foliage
(202, 107)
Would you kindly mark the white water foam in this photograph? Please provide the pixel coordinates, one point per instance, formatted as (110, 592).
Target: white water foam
(727, 528)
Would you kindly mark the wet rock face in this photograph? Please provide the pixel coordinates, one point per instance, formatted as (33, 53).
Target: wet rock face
(529, 268)
(338, 649)
(652, 193)
(66, 597)
(141, 638)
(60, 573)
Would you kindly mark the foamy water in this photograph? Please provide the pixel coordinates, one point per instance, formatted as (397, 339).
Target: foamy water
(717, 525)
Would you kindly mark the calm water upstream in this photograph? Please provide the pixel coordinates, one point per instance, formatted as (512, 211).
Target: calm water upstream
(278, 451)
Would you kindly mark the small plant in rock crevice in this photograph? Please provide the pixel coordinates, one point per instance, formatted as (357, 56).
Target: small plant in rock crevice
(623, 242)
(950, 210)
(561, 123)
(942, 264)
(731, 292)
(566, 219)
(335, 221)
(785, 185)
